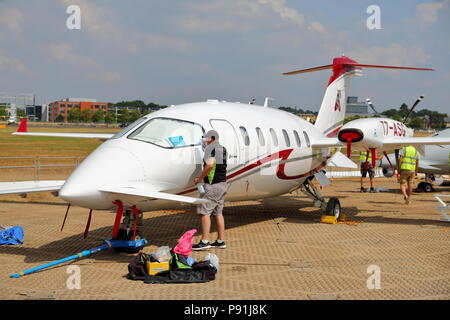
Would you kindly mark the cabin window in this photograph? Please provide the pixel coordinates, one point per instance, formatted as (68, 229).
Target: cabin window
(307, 139)
(286, 138)
(297, 139)
(169, 133)
(245, 136)
(274, 137)
(261, 139)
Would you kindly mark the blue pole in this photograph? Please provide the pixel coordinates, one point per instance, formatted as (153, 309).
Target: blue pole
(54, 263)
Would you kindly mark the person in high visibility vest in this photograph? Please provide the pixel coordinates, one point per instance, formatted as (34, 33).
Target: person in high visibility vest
(409, 166)
(366, 168)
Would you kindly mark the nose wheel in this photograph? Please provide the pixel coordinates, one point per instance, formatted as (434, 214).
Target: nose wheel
(129, 228)
(332, 207)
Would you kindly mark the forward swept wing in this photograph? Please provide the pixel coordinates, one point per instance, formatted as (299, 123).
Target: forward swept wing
(140, 191)
(22, 187)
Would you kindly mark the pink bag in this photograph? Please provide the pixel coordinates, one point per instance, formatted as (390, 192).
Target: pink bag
(184, 246)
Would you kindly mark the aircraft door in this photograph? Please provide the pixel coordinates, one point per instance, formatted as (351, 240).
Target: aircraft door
(227, 138)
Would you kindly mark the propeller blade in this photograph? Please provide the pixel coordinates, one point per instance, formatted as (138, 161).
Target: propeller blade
(328, 66)
(387, 67)
(412, 108)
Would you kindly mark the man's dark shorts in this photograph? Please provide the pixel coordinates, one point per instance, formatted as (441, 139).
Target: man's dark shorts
(367, 169)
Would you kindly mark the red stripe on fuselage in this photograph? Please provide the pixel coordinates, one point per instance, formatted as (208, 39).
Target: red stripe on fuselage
(283, 155)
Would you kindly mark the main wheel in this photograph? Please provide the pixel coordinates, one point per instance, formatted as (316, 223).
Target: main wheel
(427, 187)
(333, 208)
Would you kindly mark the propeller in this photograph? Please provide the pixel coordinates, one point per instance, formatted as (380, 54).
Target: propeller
(369, 103)
(420, 98)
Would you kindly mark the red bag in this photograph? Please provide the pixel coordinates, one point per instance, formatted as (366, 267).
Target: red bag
(184, 246)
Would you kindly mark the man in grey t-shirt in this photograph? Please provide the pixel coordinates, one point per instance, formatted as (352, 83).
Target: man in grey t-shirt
(214, 176)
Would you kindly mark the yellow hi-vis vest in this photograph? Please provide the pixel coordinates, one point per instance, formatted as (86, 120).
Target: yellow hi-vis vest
(363, 156)
(409, 158)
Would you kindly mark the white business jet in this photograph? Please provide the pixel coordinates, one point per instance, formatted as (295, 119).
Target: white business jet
(152, 163)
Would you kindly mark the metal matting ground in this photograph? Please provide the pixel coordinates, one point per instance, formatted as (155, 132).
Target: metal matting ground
(277, 249)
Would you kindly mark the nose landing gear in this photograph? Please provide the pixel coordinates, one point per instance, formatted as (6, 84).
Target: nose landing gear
(331, 208)
(129, 229)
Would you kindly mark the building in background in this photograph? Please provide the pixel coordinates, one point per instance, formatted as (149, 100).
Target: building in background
(18, 103)
(356, 108)
(62, 107)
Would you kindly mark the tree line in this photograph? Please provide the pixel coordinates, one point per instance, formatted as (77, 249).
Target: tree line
(123, 116)
(422, 119)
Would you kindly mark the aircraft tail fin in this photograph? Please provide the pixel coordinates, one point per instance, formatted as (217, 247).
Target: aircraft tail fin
(332, 110)
(23, 125)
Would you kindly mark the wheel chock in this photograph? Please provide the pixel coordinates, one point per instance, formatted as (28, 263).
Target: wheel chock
(328, 219)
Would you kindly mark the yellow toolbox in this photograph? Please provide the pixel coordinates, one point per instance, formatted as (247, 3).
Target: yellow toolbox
(156, 267)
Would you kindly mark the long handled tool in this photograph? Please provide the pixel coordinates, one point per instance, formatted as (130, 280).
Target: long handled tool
(108, 244)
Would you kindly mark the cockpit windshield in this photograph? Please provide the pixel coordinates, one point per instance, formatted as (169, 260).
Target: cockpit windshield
(169, 133)
(128, 128)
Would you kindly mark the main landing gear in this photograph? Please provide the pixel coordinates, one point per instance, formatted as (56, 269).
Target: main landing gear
(331, 208)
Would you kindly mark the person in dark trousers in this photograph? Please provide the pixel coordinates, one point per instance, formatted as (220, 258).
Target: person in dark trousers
(214, 176)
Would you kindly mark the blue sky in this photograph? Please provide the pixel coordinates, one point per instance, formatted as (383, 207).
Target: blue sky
(172, 52)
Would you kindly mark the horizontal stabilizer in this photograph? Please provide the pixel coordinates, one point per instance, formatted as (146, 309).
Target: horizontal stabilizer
(22, 187)
(327, 143)
(340, 160)
(140, 191)
(103, 136)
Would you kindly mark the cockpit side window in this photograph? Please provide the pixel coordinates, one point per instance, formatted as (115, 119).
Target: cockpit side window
(169, 133)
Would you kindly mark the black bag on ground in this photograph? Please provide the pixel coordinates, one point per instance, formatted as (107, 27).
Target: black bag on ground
(202, 271)
(136, 269)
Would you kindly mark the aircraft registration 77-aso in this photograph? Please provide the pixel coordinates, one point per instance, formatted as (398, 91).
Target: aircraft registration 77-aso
(152, 163)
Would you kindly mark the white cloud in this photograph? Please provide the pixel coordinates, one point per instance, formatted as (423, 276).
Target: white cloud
(11, 20)
(64, 52)
(286, 13)
(13, 64)
(105, 76)
(428, 13)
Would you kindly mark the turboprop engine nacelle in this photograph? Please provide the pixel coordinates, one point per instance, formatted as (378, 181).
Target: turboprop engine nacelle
(368, 134)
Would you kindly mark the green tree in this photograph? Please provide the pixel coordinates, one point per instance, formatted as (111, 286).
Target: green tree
(3, 113)
(416, 123)
(403, 110)
(134, 115)
(86, 115)
(110, 117)
(98, 116)
(60, 118)
(74, 115)
(21, 113)
(124, 116)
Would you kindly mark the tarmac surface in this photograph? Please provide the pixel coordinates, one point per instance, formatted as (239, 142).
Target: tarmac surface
(277, 249)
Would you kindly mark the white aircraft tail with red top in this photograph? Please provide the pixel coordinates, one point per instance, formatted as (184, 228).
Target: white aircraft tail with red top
(332, 110)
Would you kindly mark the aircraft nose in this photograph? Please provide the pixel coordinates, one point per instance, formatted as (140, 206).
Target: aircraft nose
(105, 166)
